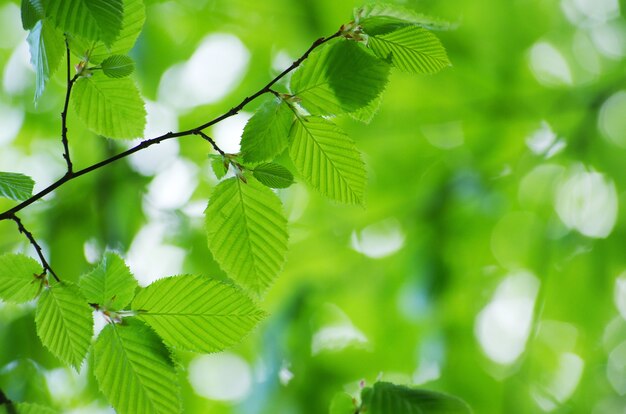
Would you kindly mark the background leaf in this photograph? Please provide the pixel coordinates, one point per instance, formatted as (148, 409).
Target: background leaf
(18, 187)
(265, 134)
(32, 408)
(212, 316)
(386, 398)
(31, 13)
(64, 323)
(134, 370)
(247, 232)
(377, 13)
(342, 403)
(47, 47)
(110, 107)
(327, 159)
(411, 49)
(91, 19)
(341, 77)
(273, 175)
(18, 281)
(110, 284)
(117, 66)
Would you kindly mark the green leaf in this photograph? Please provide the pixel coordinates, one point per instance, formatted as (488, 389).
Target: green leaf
(342, 403)
(31, 408)
(110, 107)
(47, 47)
(386, 398)
(340, 78)
(18, 187)
(376, 15)
(19, 280)
(411, 49)
(247, 232)
(64, 322)
(23, 379)
(117, 66)
(132, 23)
(219, 164)
(32, 12)
(110, 285)
(367, 113)
(134, 370)
(265, 134)
(327, 159)
(197, 314)
(273, 175)
(90, 19)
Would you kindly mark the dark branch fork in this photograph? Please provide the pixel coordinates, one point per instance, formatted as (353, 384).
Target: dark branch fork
(71, 174)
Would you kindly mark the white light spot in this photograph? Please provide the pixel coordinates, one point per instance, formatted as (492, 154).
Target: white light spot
(18, 74)
(379, 240)
(11, 119)
(503, 326)
(281, 61)
(98, 323)
(620, 294)
(92, 251)
(549, 66)
(609, 40)
(285, 375)
(11, 32)
(587, 202)
(336, 333)
(612, 121)
(445, 136)
(151, 259)
(160, 119)
(427, 371)
(214, 69)
(616, 369)
(227, 134)
(222, 377)
(585, 13)
(64, 384)
(544, 141)
(172, 187)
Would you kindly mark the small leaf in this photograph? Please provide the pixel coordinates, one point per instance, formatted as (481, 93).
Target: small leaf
(385, 398)
(90, 19)
(110, 107)
(110, 284)
(32, 12)
(64, 322)
(211, 317)
(273, 175)
(342, 403)
(19, 278)
(117, 66)
(247, 232)
(411, 49)
(265, 134)
(134, 370)
(219, 164)
(340, 78)
(18, 187)
(32, 408)
(327, 159)
(47, 48)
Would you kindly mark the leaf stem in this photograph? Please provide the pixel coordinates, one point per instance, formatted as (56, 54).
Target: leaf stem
(71, 174)
(31, 239)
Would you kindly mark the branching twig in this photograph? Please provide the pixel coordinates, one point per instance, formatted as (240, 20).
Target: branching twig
(31, 239)
(210, 140)
(70, 82)
(10, 214)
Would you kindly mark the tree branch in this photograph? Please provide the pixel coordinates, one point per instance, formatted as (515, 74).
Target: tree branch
(70, 175)
(70, 82)
(31, 239)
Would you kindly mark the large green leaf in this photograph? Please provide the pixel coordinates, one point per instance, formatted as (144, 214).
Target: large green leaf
(273, 175)
(197, 314)
(375, 15)
(339, 78)
(18, 187)
(64, 322)
(31, 13)
(265, 134)
(91, 19)
(134, 19)
(110, 285)
(46, 45)
(134, 370)
(19, 280)
(327, 159)
(110, 107)
(247, 232)
(387, 398)
(411, 49)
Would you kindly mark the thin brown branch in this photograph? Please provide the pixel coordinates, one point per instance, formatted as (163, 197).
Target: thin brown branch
(70, 82)
(31, 239)
(9, 214)
(210, 140)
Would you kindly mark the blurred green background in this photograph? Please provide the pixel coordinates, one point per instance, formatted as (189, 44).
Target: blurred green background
(489, 262)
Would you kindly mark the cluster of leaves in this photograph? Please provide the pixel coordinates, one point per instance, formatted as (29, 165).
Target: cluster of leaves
(246, 228)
